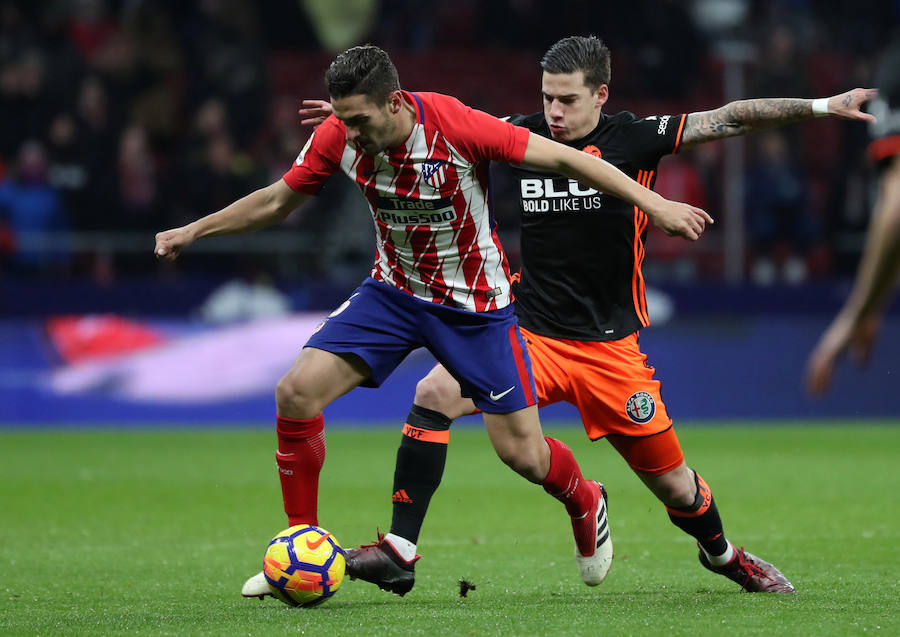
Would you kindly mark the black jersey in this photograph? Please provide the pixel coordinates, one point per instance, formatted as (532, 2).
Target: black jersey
(886, 108)
(582, 250)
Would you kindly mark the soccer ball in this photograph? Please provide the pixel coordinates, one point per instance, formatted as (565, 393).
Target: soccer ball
(304, 565)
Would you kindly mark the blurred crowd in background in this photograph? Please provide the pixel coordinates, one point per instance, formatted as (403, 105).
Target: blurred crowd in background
(120, 118)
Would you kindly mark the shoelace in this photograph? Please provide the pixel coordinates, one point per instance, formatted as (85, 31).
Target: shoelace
(380, 540)
(379, 543)
(750, 569)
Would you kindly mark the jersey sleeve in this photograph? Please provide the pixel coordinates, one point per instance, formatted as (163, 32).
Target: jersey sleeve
(885, 131)
(651, 138)
(480, 136)
(319, 159)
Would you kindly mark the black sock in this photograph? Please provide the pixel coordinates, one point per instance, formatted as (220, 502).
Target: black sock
(701, 519)
(420, 465)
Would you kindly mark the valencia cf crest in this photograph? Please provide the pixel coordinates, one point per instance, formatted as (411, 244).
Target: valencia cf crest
(640, 407)
(434, 172)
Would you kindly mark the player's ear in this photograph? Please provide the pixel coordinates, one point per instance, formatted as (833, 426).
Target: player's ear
(601, 95)
(395, 102)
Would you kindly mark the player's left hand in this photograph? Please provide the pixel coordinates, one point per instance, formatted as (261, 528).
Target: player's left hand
(843, 334)
(314, 112)
(848, 105)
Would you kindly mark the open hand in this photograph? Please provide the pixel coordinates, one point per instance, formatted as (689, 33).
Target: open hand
(843, 334)
(848, 105)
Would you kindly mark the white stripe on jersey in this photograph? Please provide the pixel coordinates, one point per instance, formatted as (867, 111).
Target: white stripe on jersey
(426, 258)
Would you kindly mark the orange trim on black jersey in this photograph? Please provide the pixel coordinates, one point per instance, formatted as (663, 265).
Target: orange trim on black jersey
(638, 290)
(678, 134)
(884, 148)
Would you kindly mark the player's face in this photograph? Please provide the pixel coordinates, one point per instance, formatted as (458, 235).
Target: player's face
(571, 109)
(371, 127)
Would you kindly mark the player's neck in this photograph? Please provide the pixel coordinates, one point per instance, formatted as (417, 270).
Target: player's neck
(586, 129)
(405, 121)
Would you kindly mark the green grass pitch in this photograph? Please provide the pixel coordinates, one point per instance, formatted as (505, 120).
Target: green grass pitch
(153, 533)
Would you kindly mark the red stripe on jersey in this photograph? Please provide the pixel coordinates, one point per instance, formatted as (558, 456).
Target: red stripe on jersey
(397, 276)
(422, 240)
(469, 254)
(484, 178)
(524, 377)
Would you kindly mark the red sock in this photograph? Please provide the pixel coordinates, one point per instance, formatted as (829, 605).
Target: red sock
(300, 456)
(565, 482)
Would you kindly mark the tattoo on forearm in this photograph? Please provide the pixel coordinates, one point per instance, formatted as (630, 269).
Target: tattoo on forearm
(742, 117)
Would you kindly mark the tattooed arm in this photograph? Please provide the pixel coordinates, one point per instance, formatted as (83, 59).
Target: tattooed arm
(748, 116)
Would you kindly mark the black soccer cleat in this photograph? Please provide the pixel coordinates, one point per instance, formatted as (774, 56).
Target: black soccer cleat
(380, 564)
(753, 574)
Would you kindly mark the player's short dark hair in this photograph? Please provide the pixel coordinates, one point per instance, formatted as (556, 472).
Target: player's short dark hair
(579, 53)
(363, 70)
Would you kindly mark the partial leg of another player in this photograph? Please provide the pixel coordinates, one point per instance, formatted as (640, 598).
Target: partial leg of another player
(390, 562)
(692, 508)
(518, 440)
(315, 380)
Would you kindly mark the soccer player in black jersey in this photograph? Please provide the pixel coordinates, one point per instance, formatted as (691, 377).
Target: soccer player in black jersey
(580, 302)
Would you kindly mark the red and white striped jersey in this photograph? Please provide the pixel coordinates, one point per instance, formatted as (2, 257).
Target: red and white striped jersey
(429, 198)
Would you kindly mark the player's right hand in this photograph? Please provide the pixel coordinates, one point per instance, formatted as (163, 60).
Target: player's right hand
(680, 219)
(314, 112)
(170, 243)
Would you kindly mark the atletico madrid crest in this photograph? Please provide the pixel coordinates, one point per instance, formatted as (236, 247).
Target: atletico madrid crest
(434, 172)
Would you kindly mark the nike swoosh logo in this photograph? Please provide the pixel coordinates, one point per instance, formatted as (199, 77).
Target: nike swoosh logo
(501, 394)
(312, 546)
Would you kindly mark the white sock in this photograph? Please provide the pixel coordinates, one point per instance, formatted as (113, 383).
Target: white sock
(719, 560)
(404, 548)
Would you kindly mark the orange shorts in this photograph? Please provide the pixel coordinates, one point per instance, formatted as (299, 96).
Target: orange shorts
(613, 388)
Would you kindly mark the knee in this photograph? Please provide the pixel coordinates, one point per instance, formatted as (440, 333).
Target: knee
(677, 491)
(294, 401)
(438, 394)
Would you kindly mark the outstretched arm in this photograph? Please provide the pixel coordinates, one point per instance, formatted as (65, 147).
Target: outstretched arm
(856, 326)
(671, 217)
(748, 116)
(259, 209)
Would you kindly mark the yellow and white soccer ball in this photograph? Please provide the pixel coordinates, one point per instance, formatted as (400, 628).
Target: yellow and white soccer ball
(304, 565)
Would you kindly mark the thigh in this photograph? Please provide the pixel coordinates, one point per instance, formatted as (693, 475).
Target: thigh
(374, 325)
(652, 455)
(615, 392)
(325, 375)
(551, 367)
(486, 354)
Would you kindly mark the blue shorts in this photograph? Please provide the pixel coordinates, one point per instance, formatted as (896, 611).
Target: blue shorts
(483, 350)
